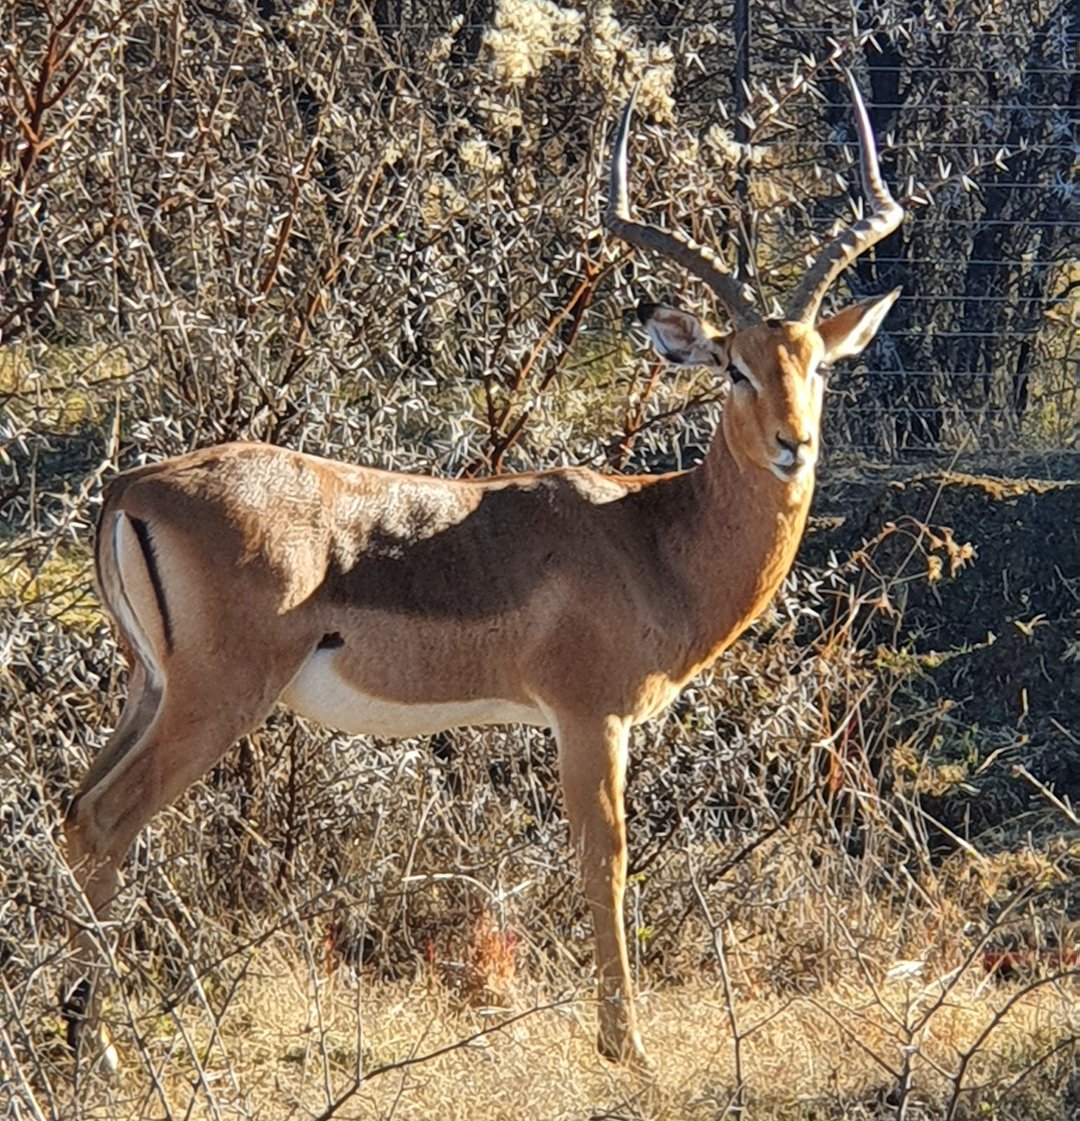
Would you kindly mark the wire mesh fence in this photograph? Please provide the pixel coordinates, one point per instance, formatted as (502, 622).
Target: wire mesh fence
(249, 214)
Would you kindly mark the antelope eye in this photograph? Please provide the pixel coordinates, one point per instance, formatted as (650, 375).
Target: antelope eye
(736, 375)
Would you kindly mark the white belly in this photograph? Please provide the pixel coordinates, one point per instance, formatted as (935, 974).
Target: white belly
(320, 693)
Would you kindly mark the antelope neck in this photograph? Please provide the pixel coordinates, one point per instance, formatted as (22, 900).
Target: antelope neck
(734, 553)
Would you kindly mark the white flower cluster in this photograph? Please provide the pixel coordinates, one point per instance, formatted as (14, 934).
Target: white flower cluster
(528, 34)
(651, 67)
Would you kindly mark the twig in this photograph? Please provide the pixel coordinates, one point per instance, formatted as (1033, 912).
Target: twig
(737, 1101)
(449, 1048)
(1060, 804)
(998, 1017)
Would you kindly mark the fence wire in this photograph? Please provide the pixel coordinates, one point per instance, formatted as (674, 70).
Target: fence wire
(256, 217)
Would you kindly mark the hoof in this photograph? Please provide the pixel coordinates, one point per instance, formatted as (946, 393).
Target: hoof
(627, 1050)
(74, 1009)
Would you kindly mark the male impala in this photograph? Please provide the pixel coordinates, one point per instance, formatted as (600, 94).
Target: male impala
(399, 605)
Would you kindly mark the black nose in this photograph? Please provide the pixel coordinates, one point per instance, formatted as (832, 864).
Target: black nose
(792, 445)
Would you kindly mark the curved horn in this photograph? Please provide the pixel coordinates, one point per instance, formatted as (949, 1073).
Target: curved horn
(855, 240)
(698, 259)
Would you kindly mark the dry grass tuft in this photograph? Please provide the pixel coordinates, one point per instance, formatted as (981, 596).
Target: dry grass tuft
(294, 1041)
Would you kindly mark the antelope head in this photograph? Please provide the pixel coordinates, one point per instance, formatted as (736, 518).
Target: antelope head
(773, 413)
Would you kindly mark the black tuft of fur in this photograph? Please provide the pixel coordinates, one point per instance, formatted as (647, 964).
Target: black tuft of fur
(73, 1010)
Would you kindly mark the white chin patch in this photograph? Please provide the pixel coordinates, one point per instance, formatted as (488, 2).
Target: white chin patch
(320, 693)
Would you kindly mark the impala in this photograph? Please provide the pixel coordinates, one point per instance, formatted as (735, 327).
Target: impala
(391, 604)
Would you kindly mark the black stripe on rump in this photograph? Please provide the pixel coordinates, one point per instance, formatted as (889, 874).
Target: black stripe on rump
(147, 546)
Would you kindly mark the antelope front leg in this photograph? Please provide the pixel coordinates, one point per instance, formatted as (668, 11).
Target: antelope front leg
(592, 766)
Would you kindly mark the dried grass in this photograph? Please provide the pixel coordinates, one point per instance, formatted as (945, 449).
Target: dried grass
(292, 1040)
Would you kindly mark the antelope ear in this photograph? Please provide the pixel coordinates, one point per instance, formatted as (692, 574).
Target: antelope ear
(682, 338)
(850, 331)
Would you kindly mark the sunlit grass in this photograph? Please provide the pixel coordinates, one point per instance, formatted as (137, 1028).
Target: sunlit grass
(290, 1041)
